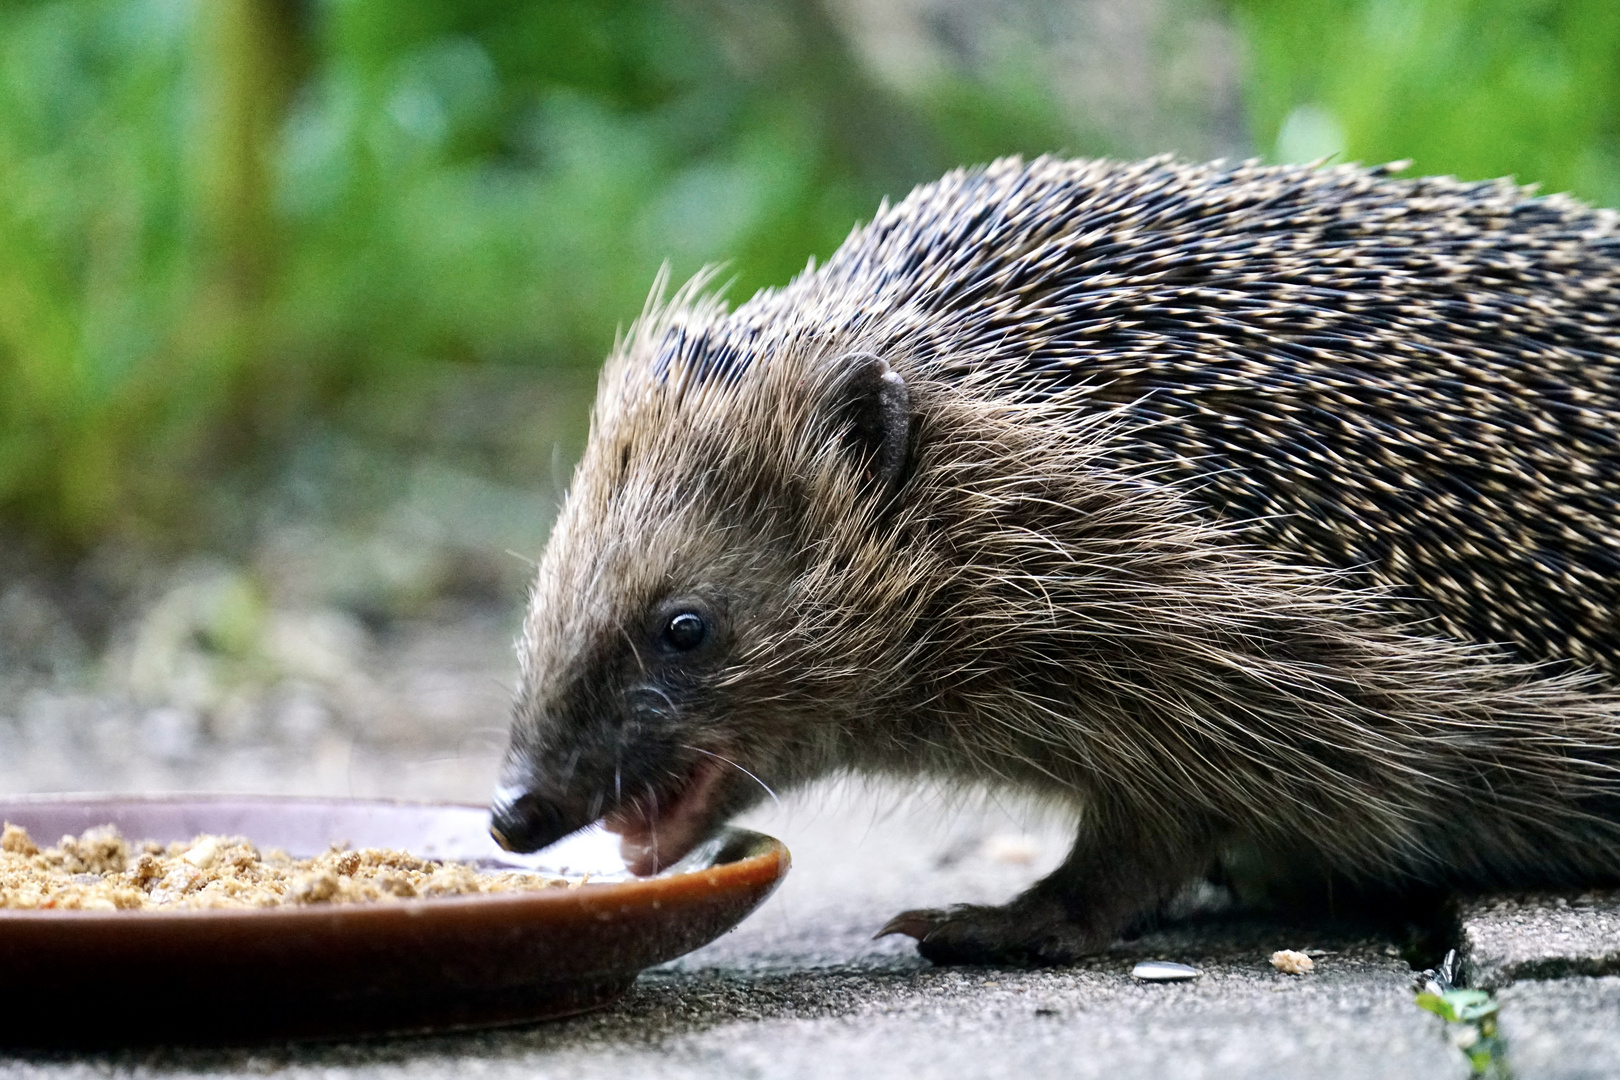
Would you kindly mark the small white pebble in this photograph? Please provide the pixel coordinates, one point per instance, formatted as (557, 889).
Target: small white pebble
(1290, 962)
(1163, 971)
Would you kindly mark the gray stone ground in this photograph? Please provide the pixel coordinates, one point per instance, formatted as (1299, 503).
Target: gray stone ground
(1563, 1029)
(324, 705)
(1511, 938)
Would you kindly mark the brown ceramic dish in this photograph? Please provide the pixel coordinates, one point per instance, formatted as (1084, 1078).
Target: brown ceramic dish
(212, 976)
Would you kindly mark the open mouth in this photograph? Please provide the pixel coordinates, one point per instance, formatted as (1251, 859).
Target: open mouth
(656, 831)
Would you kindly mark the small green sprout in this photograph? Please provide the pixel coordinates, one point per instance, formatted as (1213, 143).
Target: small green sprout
(1474, 1011)
(1459, 1006)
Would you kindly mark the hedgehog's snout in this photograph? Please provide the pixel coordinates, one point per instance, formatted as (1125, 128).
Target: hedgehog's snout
(520, 821)
(524, 819)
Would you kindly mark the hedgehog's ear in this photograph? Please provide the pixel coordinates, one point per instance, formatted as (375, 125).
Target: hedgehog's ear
(873, 400)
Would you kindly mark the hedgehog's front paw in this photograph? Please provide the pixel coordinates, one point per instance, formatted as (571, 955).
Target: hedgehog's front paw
(1020, 934)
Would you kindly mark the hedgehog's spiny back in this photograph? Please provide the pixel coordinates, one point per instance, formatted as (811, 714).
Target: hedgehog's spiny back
(1417, 377)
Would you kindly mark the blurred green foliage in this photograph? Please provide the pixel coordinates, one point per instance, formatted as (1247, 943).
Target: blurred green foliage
(222, 218)
(1474, 88)
(223, 222)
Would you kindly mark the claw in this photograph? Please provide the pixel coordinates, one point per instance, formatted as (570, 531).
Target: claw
(915, 924)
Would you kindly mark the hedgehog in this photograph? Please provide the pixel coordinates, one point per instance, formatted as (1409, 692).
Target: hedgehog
(1232, 508)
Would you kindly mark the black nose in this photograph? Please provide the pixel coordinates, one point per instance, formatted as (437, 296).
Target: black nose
(523, 822)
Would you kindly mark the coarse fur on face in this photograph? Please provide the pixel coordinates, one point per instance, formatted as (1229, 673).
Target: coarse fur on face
(1098, 480)
(707, 496)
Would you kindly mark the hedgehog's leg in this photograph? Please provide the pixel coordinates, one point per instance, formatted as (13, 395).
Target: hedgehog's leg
(1109, 878)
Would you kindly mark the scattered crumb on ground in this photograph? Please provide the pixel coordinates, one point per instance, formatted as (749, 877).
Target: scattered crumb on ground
(100, 870)
(1290, 962)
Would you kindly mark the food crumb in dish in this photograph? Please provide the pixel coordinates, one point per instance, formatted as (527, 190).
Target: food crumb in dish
(100, 870)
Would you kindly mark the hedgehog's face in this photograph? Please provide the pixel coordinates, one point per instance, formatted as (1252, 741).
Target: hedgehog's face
(622, 708)
(659, 649)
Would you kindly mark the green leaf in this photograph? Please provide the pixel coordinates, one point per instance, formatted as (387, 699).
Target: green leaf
(1470, 1005)
(1438, 1005)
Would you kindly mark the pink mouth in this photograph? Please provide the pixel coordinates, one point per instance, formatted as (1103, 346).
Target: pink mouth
(656, 833)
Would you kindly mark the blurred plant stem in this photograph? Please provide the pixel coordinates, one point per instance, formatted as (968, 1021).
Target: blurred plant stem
(253, 56)
(252, 52)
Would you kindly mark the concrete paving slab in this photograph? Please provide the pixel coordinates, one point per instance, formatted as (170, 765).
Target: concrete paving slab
(1078, 1024)
(1565, 1029)
(1542, 936)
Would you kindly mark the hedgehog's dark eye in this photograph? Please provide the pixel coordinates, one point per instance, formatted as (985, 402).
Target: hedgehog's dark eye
(685, 631)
